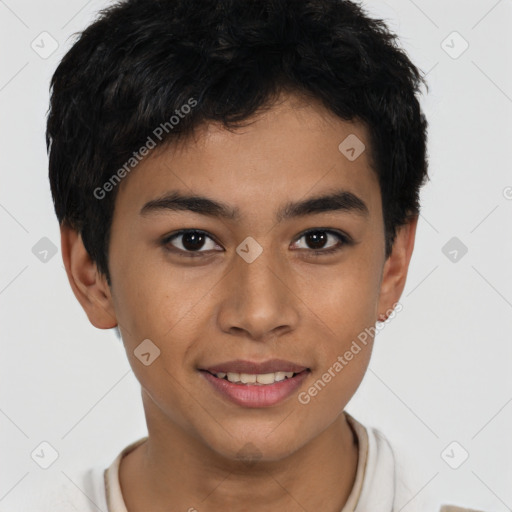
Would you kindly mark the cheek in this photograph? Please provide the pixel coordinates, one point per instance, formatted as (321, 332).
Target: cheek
(345, 310)
(158, 309)
(344, 298)
(150, 298)
(163, 306)
(331, 389)
(343, 302)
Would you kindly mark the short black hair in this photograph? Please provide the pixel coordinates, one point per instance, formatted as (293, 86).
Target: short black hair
(142, 61)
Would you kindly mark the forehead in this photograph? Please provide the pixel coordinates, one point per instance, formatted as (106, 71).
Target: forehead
(293, 149)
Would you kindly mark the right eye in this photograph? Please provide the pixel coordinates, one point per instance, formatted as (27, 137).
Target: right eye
(189, 242)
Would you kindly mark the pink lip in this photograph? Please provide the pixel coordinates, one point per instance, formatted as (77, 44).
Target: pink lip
(253, 395)
(269, 366)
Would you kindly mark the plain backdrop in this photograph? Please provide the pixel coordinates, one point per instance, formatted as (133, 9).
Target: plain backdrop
(440, 382)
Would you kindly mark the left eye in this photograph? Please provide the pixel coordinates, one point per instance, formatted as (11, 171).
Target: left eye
(317, 240)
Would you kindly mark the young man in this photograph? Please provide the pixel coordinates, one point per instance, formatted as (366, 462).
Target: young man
(237, 187)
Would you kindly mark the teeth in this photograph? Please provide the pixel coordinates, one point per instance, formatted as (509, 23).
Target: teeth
(247, 378)
(251, 378)
(282, 375)
(266, 378)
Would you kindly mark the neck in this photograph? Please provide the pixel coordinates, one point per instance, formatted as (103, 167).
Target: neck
(174, 469)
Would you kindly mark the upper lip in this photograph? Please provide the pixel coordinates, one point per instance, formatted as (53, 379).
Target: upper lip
(269, 366)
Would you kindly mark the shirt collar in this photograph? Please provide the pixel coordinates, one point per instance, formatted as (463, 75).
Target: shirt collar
(373, 487)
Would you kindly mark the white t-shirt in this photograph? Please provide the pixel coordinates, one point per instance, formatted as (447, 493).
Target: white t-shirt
(377, 487)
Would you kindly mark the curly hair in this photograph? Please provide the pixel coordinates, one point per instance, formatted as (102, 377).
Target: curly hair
(142, 60)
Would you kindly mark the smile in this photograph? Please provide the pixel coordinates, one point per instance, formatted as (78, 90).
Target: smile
(262, 379)
(255, 390)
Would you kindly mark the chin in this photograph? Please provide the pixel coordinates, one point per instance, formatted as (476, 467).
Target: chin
(262, 446)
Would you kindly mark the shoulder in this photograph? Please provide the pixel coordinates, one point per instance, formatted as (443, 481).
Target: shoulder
(391, 457)
(378, 490)
(388, 483)
(409, 489)
(61, 492)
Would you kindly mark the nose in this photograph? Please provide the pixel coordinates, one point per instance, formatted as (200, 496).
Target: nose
(259, 299)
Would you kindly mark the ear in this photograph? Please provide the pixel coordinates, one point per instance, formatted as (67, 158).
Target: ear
(395, 269)
(89, 286)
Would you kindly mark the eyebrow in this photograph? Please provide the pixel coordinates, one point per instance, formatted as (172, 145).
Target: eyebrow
(340, 200)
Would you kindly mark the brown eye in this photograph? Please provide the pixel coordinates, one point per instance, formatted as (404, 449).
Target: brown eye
(322, 241)
(316, 239)
(190, 241)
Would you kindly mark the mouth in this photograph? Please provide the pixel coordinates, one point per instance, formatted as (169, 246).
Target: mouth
(241, 366)
(256, 389)
(256, 379)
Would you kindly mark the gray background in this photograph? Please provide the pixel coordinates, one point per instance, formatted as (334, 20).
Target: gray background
(441, 369)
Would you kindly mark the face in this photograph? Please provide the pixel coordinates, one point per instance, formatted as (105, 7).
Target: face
(282, 258)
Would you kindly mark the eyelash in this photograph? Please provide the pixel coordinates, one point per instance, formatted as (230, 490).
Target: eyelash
(344, 240)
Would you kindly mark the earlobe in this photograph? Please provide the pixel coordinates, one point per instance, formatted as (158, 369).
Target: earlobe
(396, 267)
(89, 286)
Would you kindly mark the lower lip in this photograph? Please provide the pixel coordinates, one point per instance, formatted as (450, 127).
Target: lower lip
(251, 395)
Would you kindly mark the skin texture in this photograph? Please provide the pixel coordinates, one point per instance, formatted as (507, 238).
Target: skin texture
(287, 304)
